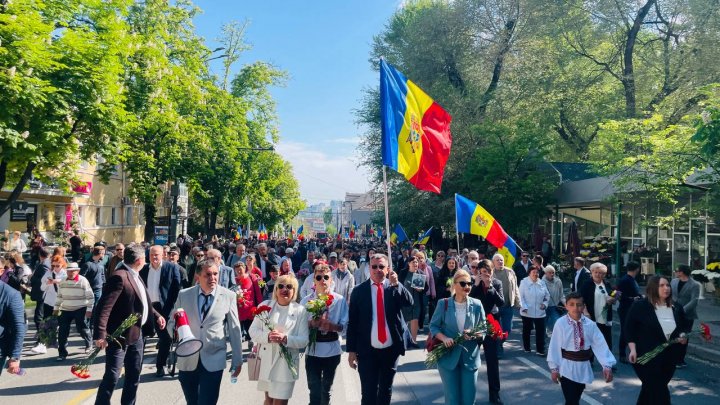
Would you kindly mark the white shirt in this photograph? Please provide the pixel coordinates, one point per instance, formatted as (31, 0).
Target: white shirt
(143, 297)
(532, 296)
(600, 301)
(563, 337)
(666, 319)
(374, 342)
(460, 314)
(153, 283)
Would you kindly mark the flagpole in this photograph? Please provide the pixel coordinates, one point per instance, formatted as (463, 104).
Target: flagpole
(387, 217)
(457, 233)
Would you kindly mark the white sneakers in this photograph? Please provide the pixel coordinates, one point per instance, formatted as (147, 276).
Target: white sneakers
(39, 349)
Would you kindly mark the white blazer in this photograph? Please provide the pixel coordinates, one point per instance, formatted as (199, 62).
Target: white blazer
(298, 335)
(211, 330)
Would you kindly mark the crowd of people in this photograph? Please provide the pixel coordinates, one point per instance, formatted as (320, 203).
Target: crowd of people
(377, 304)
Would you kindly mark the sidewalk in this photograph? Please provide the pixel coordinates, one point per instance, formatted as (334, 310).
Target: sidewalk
(708, 311)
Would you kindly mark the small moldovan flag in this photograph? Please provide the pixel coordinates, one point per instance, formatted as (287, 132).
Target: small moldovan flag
(471, 218)
(398, 235)
(425, 238)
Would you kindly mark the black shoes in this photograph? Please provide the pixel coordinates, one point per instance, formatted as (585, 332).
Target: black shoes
(160, 372)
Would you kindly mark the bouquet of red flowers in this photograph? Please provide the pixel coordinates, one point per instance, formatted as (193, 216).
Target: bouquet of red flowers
(494, 329)
(703, 331)
(317, 308)
(263, 314)
(81, 369)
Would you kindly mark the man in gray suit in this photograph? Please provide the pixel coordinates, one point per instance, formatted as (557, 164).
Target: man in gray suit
(208, 306)
(686, 292)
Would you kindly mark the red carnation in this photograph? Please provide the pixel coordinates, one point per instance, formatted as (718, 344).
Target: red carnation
(329, 300)
(261, 309)
(705, 332)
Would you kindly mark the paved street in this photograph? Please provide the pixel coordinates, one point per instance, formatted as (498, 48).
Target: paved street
(524, 378)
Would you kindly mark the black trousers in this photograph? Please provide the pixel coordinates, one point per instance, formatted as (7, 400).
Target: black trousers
(655, 379)
(115, 359)
(320, 377)
(164, 341)
(245, 327)
(377, 370)
(527, 326)
(38, 316)
(622, 344)
(492, 364)
(572, 391)
(200, 387)
(606, 331)
(683, 348)
(64, 321)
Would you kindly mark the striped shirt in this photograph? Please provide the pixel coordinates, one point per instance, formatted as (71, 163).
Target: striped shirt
(74, 295)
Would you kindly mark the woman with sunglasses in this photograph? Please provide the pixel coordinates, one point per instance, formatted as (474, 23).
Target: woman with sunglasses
(454, 317)
(598, 299)
(534, 299)
(291, 330)
(324, 357)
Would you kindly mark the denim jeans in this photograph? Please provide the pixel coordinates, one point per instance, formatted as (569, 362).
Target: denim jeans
(553, 314)
(506, 315)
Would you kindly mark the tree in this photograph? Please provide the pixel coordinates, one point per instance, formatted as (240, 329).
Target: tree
(60, 95)
(328, 217)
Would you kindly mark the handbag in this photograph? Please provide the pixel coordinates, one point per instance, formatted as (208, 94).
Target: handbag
(253, 364)
(433, 341)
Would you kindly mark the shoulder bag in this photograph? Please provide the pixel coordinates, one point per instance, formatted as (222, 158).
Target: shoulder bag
(433, 341)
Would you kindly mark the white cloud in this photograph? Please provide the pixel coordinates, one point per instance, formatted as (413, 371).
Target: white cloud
(323, 176)
(346, 141)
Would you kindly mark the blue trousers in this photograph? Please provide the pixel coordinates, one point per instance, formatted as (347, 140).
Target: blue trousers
(459, 384)
(506, 316)
(553, 314)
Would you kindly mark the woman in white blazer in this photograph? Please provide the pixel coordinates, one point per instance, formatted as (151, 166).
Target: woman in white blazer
(291, 329)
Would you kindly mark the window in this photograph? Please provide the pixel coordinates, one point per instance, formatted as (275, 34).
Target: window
(128, 215)
(113, 216)
(98, 216)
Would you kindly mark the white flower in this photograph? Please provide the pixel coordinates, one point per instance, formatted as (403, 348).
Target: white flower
(706, 117)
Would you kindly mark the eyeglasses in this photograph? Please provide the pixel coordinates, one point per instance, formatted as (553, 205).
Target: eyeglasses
(465, 284)
(472, 266)
(378, 266)
(319, 277)
(199, 255)
(284, 286)
(602, 290)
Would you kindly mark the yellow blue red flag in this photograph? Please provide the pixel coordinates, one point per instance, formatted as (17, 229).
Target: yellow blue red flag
(425, 238)
(416, 135)
(472, 218)
(398, 235)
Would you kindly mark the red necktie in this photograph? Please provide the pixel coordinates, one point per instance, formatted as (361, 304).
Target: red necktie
(382, 334)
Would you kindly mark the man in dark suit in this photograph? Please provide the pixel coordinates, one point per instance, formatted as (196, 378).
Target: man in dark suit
(582, 275)
(489, 291)
(375, 330)
(124, 294)
(629, 293)
(264, 261)
(162, 279)
(12, 327)
(521, 266)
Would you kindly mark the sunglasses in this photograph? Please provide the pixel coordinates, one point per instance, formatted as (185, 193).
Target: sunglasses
(284, 286)
(473, 266)
(378, 266)
(319, 277)
(199, 255)
(465, 284)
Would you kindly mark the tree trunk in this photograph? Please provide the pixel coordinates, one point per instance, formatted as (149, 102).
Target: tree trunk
(497, 68)
(213, 222)
(15, 194)
(150, 211)
(628, 77)
(206, 218)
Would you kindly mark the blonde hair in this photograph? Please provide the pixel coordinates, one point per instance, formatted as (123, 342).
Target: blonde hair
(286, 279)
(460, 273)
(420, 255)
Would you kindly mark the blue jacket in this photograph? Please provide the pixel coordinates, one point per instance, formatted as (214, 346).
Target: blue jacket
(12, 322)
(169, 285)
(444, 321)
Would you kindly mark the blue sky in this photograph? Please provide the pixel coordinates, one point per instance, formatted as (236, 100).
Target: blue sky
(324, 46)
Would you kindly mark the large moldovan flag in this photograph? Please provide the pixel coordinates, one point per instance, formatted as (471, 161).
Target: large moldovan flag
(416, 136)
(471, 218)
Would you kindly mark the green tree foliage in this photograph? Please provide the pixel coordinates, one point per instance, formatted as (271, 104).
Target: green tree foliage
(60, 97)
(612, 82)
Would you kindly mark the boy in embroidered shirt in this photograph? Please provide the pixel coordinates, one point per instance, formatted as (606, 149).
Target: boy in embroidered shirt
(574, 340)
